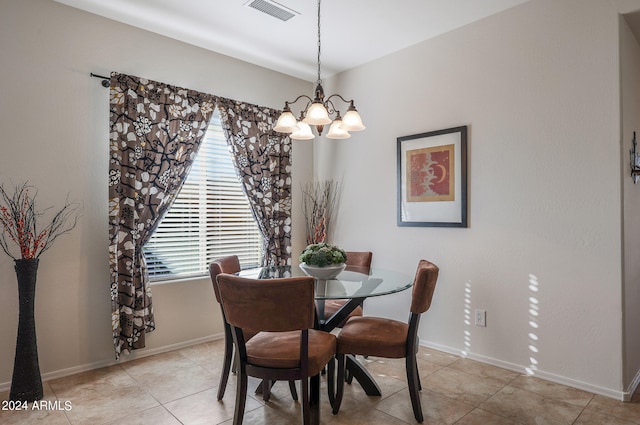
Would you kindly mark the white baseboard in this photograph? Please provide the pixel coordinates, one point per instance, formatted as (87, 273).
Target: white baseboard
(607, 392)
(138, 354)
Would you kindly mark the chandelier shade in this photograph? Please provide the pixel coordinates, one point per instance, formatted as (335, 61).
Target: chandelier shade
(319, 112)
(336, 130)
(286, 122)
(302, 132)
(352, 120)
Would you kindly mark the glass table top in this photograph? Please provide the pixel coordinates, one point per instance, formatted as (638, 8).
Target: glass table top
(348, 284)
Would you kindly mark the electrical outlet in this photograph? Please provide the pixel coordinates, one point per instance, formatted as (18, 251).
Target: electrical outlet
(481, 318)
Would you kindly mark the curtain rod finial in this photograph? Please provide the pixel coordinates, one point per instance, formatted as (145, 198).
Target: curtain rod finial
(105, 80)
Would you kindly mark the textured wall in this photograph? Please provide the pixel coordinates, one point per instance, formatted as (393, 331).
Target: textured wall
(538, 86)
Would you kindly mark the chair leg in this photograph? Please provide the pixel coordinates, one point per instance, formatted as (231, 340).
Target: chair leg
(331, 370)
(314, 400)
(234, 364)
(348, 376)
(414, 385)
(226, 364)
(416, 366)
(266, 389)
(292, 388)
(241, 397)
(339, 384)
(267, 395)
(306, 417)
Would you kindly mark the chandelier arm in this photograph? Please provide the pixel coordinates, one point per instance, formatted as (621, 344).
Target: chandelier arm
(341, 98)
(331, 108)
(300, 97)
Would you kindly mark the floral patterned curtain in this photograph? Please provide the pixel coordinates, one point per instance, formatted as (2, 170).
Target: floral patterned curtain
(262, 158)
(155, 133)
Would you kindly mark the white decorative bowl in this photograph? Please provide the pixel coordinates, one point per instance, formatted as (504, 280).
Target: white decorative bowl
(325, 272)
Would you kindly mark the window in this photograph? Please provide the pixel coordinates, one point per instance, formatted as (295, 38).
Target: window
(210, 217)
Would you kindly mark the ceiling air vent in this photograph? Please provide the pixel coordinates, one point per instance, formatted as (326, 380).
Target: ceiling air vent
(272, 8)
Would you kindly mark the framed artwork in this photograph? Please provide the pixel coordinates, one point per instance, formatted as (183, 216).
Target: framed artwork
(432, 178)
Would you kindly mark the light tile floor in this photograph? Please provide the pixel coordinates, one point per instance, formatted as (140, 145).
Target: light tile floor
(180, 387)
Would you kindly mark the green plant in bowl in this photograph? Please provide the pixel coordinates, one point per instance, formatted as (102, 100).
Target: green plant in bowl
(322, 254)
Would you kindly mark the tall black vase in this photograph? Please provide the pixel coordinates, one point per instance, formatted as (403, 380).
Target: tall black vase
(26, 384)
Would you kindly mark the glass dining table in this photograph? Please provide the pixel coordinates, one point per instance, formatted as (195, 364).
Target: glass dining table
(354, 285)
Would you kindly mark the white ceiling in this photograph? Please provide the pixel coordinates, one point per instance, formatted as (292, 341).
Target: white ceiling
(353, 31)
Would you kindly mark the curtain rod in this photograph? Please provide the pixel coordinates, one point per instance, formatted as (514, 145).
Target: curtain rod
(105, 80)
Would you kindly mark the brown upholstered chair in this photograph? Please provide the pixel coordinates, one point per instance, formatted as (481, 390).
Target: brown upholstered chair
(388, 338)
(287, 347)
(357, 261)
(231, 265)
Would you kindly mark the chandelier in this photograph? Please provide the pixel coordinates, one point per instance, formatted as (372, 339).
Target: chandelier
(318, 112)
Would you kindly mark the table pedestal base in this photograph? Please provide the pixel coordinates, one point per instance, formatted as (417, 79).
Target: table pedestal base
(362, 375)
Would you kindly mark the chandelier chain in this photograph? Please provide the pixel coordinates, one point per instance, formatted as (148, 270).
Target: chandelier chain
(319, 79)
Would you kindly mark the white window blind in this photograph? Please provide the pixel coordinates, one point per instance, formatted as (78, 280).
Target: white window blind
(210, 217)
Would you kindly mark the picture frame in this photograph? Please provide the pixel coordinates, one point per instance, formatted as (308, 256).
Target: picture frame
(432, 178)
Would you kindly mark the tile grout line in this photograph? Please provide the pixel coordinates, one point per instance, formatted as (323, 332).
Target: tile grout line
(584, 408)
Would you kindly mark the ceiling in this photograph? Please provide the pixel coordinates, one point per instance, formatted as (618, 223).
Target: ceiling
(353, 32)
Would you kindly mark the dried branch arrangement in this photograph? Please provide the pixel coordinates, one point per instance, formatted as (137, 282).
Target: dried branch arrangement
(19, 220)
(319, 205)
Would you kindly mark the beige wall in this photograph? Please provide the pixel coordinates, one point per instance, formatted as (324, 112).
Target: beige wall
(538, 86)
(54, 122)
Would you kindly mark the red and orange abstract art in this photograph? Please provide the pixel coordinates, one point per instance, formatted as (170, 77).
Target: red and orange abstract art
(430, 174)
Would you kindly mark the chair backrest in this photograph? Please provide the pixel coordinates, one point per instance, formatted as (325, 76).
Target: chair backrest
(272, 305)
(424, 285)
(229, 264)
(359, 261)
(359, 258)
